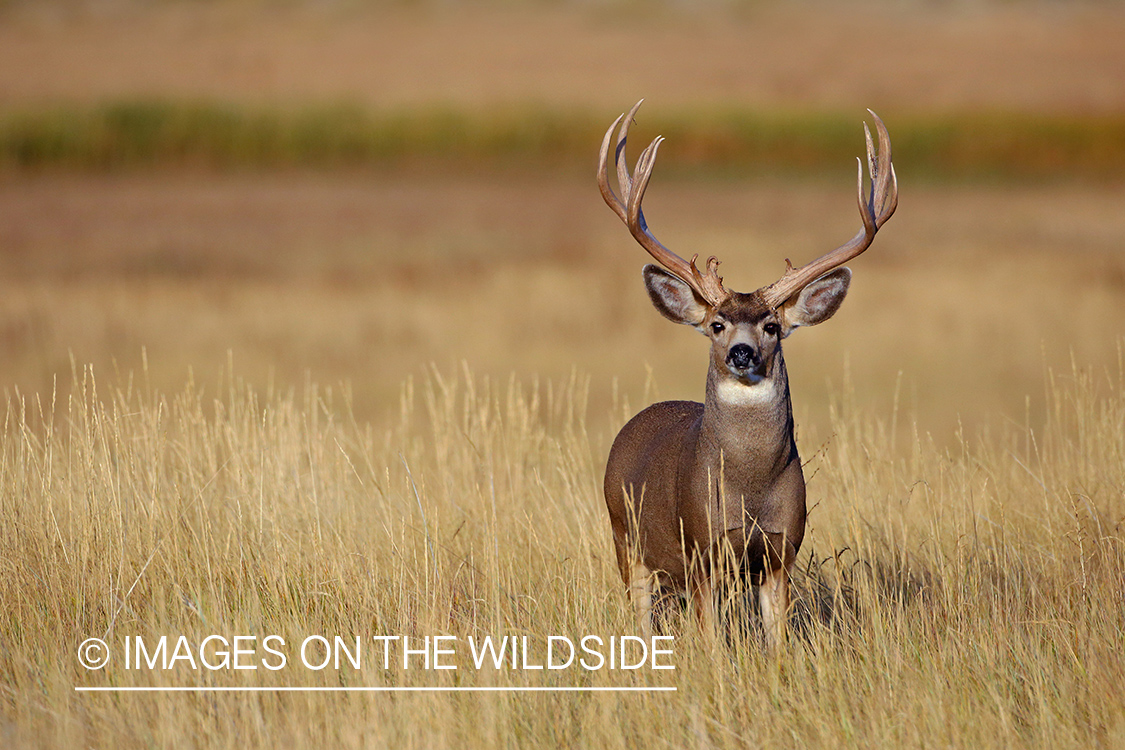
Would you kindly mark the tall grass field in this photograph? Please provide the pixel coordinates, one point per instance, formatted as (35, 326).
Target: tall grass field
(315, 334)
(948, 597)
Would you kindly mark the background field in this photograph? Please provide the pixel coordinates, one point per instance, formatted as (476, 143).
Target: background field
(265, 373)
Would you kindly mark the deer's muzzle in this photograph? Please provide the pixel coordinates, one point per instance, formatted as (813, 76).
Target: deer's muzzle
(742, 357)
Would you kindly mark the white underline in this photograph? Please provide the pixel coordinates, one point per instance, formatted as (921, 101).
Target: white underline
(312, 689)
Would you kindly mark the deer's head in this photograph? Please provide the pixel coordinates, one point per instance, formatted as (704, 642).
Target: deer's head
(745, 332)
(745, 329)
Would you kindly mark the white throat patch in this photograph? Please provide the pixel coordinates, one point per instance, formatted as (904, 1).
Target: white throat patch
(736, 393)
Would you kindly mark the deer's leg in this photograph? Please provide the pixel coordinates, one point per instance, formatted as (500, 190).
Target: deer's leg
(773, 594)
(703, 600)
(640, 594)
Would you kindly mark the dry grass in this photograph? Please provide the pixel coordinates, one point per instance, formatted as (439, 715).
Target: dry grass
(956, 590)
(953, 598)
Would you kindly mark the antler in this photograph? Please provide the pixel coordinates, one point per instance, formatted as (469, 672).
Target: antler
(708, 285)
(874, 209)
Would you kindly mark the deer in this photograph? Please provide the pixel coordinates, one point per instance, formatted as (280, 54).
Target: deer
(690, 485)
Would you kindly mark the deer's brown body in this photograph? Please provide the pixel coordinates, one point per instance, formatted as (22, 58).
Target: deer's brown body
(740, 457)
(690, 486)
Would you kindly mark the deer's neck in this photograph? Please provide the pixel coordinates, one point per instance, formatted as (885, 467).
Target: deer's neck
(751, 425)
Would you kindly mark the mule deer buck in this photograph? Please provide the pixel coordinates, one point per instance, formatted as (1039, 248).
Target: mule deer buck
(689, 485)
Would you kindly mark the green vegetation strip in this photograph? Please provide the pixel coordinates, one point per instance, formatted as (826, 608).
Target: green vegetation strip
(166, 133)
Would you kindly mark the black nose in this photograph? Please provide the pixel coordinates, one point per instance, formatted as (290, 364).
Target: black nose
(742, 356)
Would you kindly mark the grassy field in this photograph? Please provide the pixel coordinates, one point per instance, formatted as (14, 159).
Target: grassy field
(312, 323)
(951, 597)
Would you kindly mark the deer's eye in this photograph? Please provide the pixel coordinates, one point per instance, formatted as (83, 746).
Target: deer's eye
(771, 329)
(717, 328)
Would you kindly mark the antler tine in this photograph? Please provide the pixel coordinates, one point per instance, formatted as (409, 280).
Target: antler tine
(707, 285)
(882, 173)
(892, 199)
(606, 189)
(623, 178)
(875, 208)
(642, 174)
(872, 164)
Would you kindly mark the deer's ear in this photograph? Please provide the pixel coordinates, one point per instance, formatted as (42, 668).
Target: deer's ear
(817, 302)
(673, 298)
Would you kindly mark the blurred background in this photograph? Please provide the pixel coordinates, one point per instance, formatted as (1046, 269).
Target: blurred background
(352, 192)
